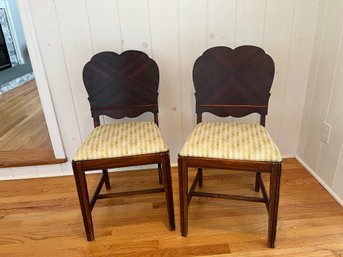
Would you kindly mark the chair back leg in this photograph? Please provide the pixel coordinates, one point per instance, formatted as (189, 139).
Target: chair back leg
(257, 185)
(200, 177)
(107, 179)
(160, 174)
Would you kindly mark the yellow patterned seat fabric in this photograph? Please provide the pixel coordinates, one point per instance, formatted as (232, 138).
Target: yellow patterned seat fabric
(121, 139)
(232, 141)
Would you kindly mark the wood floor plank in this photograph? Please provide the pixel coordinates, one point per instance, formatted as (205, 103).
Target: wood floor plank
(24, 137)
(41, 217)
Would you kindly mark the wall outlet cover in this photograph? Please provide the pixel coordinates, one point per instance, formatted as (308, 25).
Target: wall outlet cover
(325, 133)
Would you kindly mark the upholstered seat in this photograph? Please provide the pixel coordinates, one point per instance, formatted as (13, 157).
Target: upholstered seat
(120, 140)
(234, 141)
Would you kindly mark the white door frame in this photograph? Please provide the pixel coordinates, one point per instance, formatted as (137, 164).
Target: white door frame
(40, 76)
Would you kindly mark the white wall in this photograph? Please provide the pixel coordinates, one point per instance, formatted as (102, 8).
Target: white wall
(174, 33)
(323, 101)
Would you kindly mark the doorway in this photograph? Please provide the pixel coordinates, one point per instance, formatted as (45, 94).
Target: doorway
(24, 134)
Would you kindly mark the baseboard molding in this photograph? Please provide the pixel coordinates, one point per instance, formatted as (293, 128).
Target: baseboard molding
(33, 176)
(287, 156)
(32, 172)
(322, 182)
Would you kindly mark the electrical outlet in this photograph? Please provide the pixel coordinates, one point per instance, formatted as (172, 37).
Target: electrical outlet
(326, 131)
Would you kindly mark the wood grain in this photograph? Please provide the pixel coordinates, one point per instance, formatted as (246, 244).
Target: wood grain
(24, 135)
(121, 85)
(233, 79)
(42, 218)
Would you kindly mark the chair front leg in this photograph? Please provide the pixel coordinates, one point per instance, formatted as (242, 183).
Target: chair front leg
(183, 193)
(274, 190)
(168, 189)
(81, 185)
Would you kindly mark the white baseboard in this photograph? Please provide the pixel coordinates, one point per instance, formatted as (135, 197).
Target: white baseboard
(31, 172)
(322, 182)
(32, 176)
(285, 156)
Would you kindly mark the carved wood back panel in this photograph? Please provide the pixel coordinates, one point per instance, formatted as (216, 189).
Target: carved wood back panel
(233, 82)
(124, 85)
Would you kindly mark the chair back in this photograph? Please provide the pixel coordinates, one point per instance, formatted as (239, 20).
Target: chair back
(233, 82)
(121, 85)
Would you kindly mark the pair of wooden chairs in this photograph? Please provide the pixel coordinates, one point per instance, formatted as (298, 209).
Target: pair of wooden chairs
(227, 83)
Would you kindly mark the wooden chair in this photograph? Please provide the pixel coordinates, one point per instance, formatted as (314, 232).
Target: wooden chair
(119, 86)
(232, 83)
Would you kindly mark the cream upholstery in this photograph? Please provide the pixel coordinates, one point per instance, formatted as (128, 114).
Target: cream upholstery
(121, 139)
(233, 141)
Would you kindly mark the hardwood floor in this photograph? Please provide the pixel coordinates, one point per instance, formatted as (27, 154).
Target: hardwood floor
(41, 217)
(24, 135)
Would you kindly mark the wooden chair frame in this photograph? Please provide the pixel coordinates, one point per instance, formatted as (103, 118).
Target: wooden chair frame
(273, 168)
(117, 109)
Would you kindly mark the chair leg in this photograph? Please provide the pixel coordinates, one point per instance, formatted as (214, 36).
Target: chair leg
(81, 185)
(257, 185)
(200, 177)
(183, 193)
(274, 190)
(168, 189)
(160, 174)
(107, 179)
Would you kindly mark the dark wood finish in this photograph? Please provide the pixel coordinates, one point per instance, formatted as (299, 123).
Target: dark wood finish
(160, 175)
(200, 177)
(118, 86)
(156, 118)
(232, 82)
(223, 164)
(97, 191)
(263, 189)
(257, 185)
(232, 197)
(106, 179)
(81, 185)
(96, 121)
(167, 183)
(183, 194)
(263, 120)
(274, 189)
(121, 162)
(129, 193)
(194, 184)
(124, 85)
